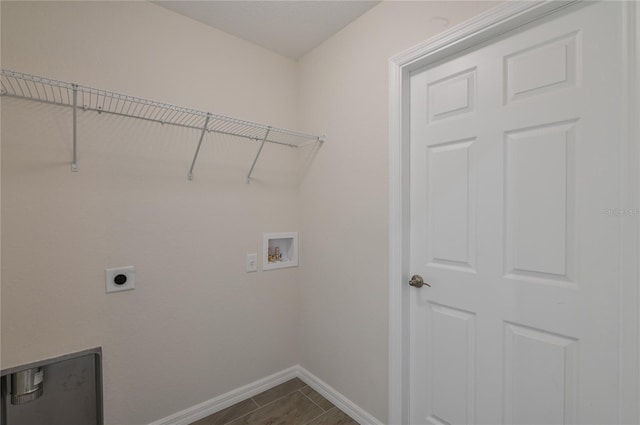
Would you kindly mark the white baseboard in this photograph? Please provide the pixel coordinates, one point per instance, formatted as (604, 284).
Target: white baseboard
(223, 401)
(357, 413)
(209, 407)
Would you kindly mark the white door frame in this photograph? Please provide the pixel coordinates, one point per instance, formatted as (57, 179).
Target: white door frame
(491, 24)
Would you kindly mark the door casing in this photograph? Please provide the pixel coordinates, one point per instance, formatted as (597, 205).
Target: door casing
(489, 25)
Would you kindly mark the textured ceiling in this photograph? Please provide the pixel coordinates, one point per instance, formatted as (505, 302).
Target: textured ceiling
(290, 28)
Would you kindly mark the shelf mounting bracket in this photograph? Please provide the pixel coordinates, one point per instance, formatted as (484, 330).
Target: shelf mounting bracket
(74, 161)
(264, 140)
(195, 157)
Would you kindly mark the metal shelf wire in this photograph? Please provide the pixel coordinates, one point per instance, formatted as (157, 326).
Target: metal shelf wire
(46, 90)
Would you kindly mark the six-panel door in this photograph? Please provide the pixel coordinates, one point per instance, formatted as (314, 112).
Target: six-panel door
(514, 163)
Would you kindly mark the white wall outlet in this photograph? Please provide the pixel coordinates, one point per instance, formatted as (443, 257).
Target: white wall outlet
(252, 262)
(120, 279)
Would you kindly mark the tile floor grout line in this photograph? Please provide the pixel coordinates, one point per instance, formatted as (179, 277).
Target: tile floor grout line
(320, 415)
(309, 398)
(313, 419)
(246, 414)
(242, 416)
(324, 412)
(279, 398)
(283, 396)
(264, 405)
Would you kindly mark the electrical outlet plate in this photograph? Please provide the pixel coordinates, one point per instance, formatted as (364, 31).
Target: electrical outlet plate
(120, 279)
(252, 262)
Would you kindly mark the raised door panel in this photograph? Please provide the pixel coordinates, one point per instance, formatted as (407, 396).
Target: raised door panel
(539, 193)
(451, 205)
(451, 366)
(452, 96)
(543, 68)
(540, 376)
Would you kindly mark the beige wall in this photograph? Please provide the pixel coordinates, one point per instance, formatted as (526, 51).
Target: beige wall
(344, 203)
(197, 325)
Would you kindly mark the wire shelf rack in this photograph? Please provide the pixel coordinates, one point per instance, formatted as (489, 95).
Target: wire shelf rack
(46, 90)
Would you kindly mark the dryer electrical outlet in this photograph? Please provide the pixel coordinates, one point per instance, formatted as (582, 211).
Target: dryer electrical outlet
(120, 279)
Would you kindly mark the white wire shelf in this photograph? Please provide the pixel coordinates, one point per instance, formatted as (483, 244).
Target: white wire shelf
(46, 90)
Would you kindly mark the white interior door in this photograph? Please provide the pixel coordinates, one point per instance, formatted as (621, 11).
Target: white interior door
(515, 164)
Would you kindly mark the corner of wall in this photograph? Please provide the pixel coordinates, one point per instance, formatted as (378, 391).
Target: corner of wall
(1, 3)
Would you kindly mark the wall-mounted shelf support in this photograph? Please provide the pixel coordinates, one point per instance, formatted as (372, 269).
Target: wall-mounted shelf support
(195, 157)
(54, 92)
(74, 162)
(258, 155)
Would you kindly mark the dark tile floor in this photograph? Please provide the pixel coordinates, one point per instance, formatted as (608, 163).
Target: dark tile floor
(291, 403)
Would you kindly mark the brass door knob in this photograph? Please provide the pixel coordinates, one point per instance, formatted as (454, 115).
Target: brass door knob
(418, 281)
